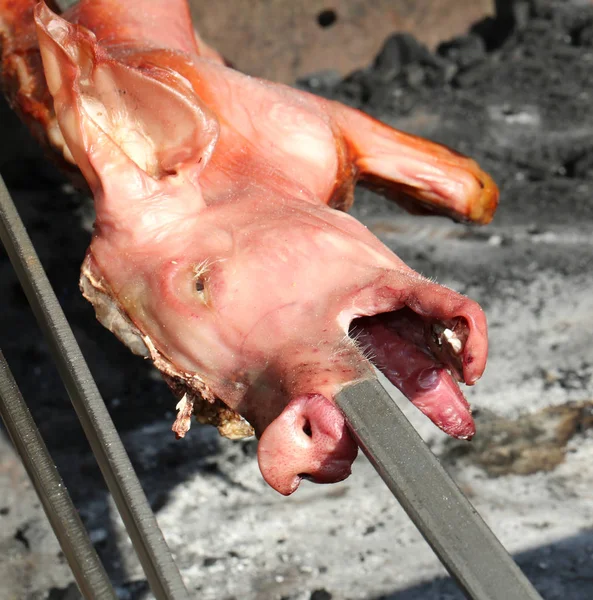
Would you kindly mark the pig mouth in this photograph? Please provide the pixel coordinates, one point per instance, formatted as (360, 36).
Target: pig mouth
(425, 359)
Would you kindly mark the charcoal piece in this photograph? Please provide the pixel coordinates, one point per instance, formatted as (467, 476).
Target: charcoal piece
(464, 51)
(400, 52)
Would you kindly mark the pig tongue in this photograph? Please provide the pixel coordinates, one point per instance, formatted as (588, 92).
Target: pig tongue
(396, 343)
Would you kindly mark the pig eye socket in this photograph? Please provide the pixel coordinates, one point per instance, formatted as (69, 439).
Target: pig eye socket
(203, 279)
(199, 285)
(199, 274)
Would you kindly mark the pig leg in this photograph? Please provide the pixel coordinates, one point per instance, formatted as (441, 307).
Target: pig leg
(421, 176)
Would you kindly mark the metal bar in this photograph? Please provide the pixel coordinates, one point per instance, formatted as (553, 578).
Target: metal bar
(86, 566)
(161, 572)
(450, 524)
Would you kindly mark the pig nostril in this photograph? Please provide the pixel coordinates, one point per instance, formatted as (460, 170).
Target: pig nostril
(307, 428)
(199, 285)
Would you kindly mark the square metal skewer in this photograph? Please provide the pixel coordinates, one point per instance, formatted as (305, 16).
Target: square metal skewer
(466, 546)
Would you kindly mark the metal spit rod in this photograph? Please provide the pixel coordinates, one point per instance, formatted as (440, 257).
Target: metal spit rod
(78, 549)
(450, 524)
(155, 557)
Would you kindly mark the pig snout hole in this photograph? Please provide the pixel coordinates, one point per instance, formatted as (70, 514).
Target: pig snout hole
(309, 440)
(307, 428)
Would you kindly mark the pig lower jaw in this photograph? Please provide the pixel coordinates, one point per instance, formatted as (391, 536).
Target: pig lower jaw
(423, 359)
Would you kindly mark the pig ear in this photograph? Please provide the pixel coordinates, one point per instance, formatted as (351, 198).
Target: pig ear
(116, 120)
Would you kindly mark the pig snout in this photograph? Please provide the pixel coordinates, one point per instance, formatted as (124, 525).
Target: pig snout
(310, 439)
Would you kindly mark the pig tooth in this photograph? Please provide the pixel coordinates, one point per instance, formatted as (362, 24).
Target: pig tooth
(437, 333)
(444, 336)
(454, 342)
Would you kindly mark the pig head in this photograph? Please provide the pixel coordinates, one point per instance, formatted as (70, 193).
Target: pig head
(218, 249)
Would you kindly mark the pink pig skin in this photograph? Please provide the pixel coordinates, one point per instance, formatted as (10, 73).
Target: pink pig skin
(217, 236)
